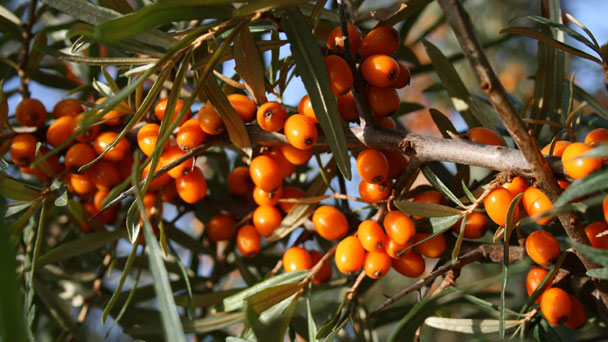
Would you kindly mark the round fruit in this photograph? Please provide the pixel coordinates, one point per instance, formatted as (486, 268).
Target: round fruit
(325, 272)
(432, 248)
(112, 117)
(577, 167)
(397, 164)
(372, 166)
(394, 250)
(558, 148)
(597, 136)
(537, 203)
(300, 131)
(347, 107)
(192, 186)
(597, 233)
(497, 203)
(265, 173)
(555, 305)
(171, 154)
(385, 121)
(578, 315)
(482, 135)
(295, 155)
(244, 106)
(380, 70)
(534, 278)
(86, 135)
(431, 196)
(383, 40)
(340, 75)
(161, 108)
(266, 219)
(410, 265)
(190, 135)
(605, 208)
(261, 197)
(399, 227)
(104, 174)
(372, 236)
(147, 136)
(296, 259)
(474, 225)
(116, 153)
(209, 120)
(377, 264)
(290, 192)
(67, 107)
(239, 181)
(286, 167)
(305, 107)
(221, 227)
(404, 77)
(542, 247)
(350, 255)
(81, 184)
(79, 155)
(382, 101)
(23, 149)
(30, 113)
(372, 193)
(330, 223)
(335, 40)
(248, 241)
(516, 186)
(271, 116)
(59, 131)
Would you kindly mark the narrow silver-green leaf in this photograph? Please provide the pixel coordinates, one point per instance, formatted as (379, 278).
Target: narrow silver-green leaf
(600, 273)
(249, 65)
(424, 209)
(598, 255)
(584, 186)
(438, 184)
(16, 190)
(468, 326)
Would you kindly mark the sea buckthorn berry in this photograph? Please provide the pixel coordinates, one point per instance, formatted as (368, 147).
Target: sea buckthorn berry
(161, 108)
(330, 223)
(372, 166)
(296, 259)
(221, 227)
(244, 106)
(386, 121)
(555, 305)
(432, 248)
(537, 203)
(593, 230)
(265, 173)
(394, 250)
(23, 149)
(350, 255)
(290, 192)
(79, 155)
(325, 272)
(190, 135)
(295, 155)
(169, 193)
(382, 101)
(305, 107)
(340, 75)
(125, 166)
(30, 113)
(404, 77)
(239, 181)
(271, 116)
(597, 136)
(152, 211)
(347, 108)
(82, 184)
(104, 174)
(116, 153)
(516, 186)
(286, 168)
(159, 182)
(111, 118)
(209, 120)
(605, 208)
(399, 227)
(266, 219)
(410, 265)
(534, 278)
(380, 70)
(67, 107)
(485, 136)
(372, 236)
(88, 134)
(578, 315)
(46, 169)
(497, 203)
(98, 198)
(300, 131)
(372, 193)
(262, 197)
(397, 163)
(335, 39)
(558, 148)
(431, 196)
(192, 186)
(474, 226)
(248, 241)
(174, 153)
(542, 247)
(383, 40)
(147, 136)
(577, 167)
(377, 264)
(59, 131)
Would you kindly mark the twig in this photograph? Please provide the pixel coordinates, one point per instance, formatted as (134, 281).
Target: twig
(24, 51)
(84, 311)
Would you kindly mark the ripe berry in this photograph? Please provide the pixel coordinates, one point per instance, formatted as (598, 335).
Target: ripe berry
(605, 208)
(593, 230)
(296, 259)
(239, 181)
(67, 107)
(126, 167)
(261, 197)
(537, 203)
(385, 121)
(244, 106)
(23, 149)
(516, 186)
(112, 117)
(59, 131)
(372, 193)
(399, 227)
(578, 315)
(350, 255)
(305, 107)
(377, 264)
(534, 278)
(169, 193)
(372, 166)
(325, 272)
(597, 136)
(335, 39)
(382, 101)
(372, 236)
(209, 120)
(380, 70)
(542, 247)
(266, 219)
(300, 131)
(404, 77)
(79, 155)
(555, 305)
(192, 186)
(397, 164)
(474, 226)
(347, 108)
(383, 40)
(271, 116)
(432, 248)
(248, 241)
(330, 223)
(558, 148)
(81, 184)
(157, 183)
(431, 196)
(340, 75)
(221, 227)
(394, 249)
(190, 135)
(116, 153)
(497, 203)
(265, 173)
(290, 192)
(99, 196)
(286, 168)
(577, 167)
(47, 169)
(295, 155)
(410, 265)
(30, 113)
(482, 135)
(171, 154)
(86, 135)
(161, 107)
(147, 136)
(104, 174)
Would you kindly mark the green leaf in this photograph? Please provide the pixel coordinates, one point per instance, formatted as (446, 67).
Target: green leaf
(441, 224)
(407, 326)
(458, 244)
(12, 326)
(120, 6)
(582, 187)
(543, 331)
(592, 102)
(121, 282)
(424, 209)
(332, 334)
(36, 55)
(310, 319)
(60, 191)
(310, 65)
(10, 27)
(115, 61)
(512, 212)
(443, 123)
(263, 5)
(198, 326)
(413, 7)
(271, 325)
(600, 273)
(438, 184)
(271, 296)
(16, 190)
(206, 299)
(469, 326)
(600, 256)
(132, 222)
(249, 65)
(565, 29)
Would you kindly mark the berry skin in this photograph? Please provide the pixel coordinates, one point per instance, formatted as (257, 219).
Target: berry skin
(30, 113)
(116, 153)
(190, 135)
(169, 193)
(372, 193)
(81, 184)
(377, 264)
(271, 116)
(347, 108)
(88, 134)
(67, 107)
(484, 136)
(290, 192)
(597, 136)
(372, 236)
(578, 315)
(111, 118)
(536, 203)
(244, 106)
(385, 121)
(593, 230)
(542, 247)
(399, 227)
(221, 228)
(59, 131)
(397, 164)
(558, 148)
(161, 107)
(394, 249)
(239, 181)
(404, 77)
(104, 174)
(350, 255)
(335, 39)
(147, 136)
(432, 248)
(534, 278)
(516, 186)
(248, 241)
(192, 186)
(555, 305)
(296, 259)
(340, 75)
(265, 173)
(497, 203)
(380, 70)
(410, 265)
(431, 196)
(286, 168)
(474, 227)
(295, 155)
(372, 166)
(23, 149)
(266, 219)
(382, 101)
(300, 131)
(383, 40)
(79, 155)
(605, 208)
(261, 197)
(305, 107)
(159, 182)
(325, 271)
(210, 121)
(577, 167)
(172, 154)
(330, 223)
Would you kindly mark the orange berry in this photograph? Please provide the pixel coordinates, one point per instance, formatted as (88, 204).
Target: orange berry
(372, 166)
(116, 153)
(88, 134)
(125, 169)
(210, 121)
(377, 264)
(394, 249)
(534, 278)
(542, 247)
(171, 154)
(578, 315)
(286, 167)
(335, 39)
(383, 40)
(112, 117)
(593, 230)
(431, 196)
(558, 148)
(244, 106)
(516, 186)
(169, 192)
(372, 236)
(59, 131)
(397, 164)
(347, 108)
(432, 248)
(81, 184)
(537, 203)
(482, 135)
(597, 136)
(577, 167)
(325, 272)
(104, 174)
(399, 227)
(296, 259)
(605, 208)
(404, 77)
(161, 107)
(23, 149)
(239, 181)
(265, 173)
(159, 182)
(192, 186)
(497, 203)
(330, 223)
(221, 227)
(262, 197)
(385, 121)
(350, 255)
(300, 131)
(98, 198)
(380, 70)
(30, 113)
(340, 75)
(295, 155)
(372, 193)
(271, 116)
(266, 219)
(147, 136)
(67, 107)
(382, 101)
(474, 225)
(305, 107)
(190, 135)
(248, 241)
(290, 192)
(555, 305)
(79, 155)
(410, 265)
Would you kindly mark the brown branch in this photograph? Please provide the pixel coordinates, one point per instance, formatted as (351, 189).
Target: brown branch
(24, 51)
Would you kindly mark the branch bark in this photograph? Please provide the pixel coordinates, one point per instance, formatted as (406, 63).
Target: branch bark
(24, 51)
